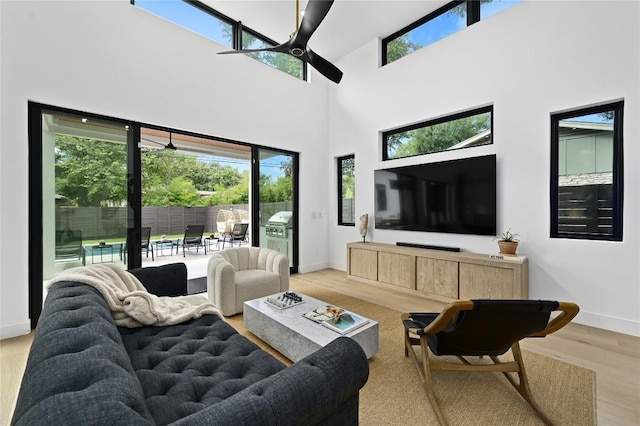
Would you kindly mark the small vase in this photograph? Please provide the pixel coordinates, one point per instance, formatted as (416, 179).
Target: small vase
(508, 247)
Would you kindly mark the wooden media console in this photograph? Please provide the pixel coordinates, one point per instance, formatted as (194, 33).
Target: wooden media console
(441, 275)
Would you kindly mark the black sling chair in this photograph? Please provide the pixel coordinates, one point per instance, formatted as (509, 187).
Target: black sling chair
(481, 328)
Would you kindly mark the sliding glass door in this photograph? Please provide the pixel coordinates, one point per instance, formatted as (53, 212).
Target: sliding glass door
(84, 192)
(107, 190)
(277, 204)
(192, 187)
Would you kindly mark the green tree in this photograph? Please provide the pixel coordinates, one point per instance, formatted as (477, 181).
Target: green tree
(348, 178)
(400, 47)
(281, 61)
(237, 194)
(161, 167)
(287, 167)
(210, 176)
(283, 189)
(90, 172)
(179, 192)
(437, 137)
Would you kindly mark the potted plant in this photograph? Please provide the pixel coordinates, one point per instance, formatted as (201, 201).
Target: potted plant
(508, 243)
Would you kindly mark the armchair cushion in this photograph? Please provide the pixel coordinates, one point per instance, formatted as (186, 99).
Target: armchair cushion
(239, 274)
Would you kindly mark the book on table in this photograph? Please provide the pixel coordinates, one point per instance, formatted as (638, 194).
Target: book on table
(347, 322)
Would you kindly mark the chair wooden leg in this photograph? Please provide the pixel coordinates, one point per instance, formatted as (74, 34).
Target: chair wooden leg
(424, 371)
(428, 382)
(523, 386)
(407, 345)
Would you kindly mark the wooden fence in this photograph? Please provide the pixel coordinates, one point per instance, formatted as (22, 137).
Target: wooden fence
(111, 222)
(585, 209)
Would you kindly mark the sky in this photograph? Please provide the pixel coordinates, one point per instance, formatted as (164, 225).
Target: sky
(190, 17)
(270, 166)
(185, 15)
(449, 23)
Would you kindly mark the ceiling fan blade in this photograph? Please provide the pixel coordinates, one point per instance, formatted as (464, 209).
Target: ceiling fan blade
(313, 15)
(297, 47)
(323, 66)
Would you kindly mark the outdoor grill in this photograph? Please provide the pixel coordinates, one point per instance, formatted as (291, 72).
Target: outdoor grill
(279, 233)
(280, 224)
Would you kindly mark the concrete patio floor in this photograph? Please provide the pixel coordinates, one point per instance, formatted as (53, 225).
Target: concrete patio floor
(196, 261)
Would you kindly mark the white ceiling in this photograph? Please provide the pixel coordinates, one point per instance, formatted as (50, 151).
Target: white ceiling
(348, 25)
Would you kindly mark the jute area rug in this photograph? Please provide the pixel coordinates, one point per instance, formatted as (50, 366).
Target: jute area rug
(394, 395)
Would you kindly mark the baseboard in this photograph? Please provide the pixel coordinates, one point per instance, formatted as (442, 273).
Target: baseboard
(606, 322)
(15, 330)
(303, 269)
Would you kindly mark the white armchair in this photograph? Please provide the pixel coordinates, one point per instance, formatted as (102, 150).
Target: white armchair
(239, 274)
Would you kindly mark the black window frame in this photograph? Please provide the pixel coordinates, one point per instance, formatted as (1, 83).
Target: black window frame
(339, 163)
(473, 10)
(237, 28)
(473, 16)
(618, 171)
(431, 122)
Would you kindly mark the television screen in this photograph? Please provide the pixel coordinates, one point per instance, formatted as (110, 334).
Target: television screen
(457, 196)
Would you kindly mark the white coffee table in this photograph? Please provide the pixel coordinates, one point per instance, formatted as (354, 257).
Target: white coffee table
(294, 336)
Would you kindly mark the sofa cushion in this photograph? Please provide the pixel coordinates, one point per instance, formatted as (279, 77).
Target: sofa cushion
(164, 280)
(187, 367)
(76, 328)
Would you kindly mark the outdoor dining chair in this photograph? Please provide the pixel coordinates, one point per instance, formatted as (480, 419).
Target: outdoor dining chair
(193, 238)
(238, 234)
(146, 240)
(69, 245)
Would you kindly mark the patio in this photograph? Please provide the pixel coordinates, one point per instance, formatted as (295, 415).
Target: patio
(196, 261)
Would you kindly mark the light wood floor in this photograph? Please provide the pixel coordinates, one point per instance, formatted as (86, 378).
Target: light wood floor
(613, 356)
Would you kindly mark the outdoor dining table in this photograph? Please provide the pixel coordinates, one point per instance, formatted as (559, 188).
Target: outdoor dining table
(160, 245)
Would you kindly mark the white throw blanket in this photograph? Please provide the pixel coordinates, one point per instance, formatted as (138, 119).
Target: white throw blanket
(130, 303)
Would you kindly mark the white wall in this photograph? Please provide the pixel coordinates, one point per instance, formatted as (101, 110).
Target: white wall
(536, 58)
(114, 59)
(528, 61)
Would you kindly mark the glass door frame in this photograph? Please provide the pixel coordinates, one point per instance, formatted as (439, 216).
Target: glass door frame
(35, 113)
(255, 200)
(35, 197)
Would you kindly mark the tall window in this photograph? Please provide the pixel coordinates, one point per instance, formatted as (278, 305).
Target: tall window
(586, 173)
(439, 24)
(461, 130)
(346, 190)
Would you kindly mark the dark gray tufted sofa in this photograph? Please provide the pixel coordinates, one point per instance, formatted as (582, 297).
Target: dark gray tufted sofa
(84, 370)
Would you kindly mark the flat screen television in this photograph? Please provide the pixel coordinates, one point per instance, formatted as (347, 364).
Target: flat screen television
(457, 196)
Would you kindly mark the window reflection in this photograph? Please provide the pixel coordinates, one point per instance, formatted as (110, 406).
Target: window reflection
(588, 146)
(463, 130)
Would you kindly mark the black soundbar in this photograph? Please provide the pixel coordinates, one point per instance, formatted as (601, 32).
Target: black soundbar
(427, 246)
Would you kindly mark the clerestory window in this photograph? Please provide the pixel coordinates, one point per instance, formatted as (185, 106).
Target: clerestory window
(439, 24)
(461, 130)
(209, 23)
